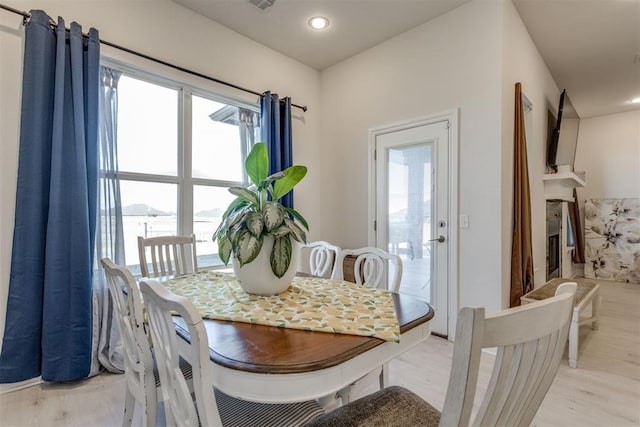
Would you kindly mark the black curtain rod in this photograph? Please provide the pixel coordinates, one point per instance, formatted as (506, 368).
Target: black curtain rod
(27, 15)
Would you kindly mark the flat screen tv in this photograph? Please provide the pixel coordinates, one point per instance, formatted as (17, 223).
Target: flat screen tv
(563, 134)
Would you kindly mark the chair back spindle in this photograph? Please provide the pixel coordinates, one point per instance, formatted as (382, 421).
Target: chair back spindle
(167, 255)
(529, 343)
(371, 267)
(322, 257)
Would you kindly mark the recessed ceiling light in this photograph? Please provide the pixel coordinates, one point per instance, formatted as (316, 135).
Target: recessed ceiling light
(635, 101)
(318, 22)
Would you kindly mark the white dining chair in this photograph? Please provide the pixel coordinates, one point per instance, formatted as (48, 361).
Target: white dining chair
(142, 380)
(167, 255)
(322, 257)
(370, 268)
(211, 408)
(530, 342)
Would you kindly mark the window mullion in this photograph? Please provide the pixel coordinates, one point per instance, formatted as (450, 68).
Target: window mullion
(185, 217)
(146, 177)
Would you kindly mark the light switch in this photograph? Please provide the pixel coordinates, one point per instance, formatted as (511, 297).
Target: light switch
(464, 221)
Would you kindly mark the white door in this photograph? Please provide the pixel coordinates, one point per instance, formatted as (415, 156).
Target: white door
(411, 218)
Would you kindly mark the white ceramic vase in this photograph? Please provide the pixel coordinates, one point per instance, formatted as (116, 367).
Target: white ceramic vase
(257, 277)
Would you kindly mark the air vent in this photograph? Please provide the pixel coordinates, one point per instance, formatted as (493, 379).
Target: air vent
(262, 4)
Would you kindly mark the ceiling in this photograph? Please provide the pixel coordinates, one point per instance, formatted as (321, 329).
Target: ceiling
(591, 47)
(355, 25)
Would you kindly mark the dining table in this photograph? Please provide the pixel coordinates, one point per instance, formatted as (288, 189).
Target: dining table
(271, 364)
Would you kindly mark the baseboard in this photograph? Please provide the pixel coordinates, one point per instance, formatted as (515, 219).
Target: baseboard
(11, 387)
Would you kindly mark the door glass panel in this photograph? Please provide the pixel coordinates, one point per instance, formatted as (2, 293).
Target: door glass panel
(148, 210)
(209, 203)
(409, 211)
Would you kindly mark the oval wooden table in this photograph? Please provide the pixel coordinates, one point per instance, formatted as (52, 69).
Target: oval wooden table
(277, 365)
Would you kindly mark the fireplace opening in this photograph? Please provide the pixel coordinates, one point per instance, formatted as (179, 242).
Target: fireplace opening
(553, 256)
(554, 213)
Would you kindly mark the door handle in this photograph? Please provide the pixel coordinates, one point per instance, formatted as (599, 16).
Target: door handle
(439, 239)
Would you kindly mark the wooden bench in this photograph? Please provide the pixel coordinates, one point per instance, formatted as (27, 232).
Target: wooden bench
(587, 294)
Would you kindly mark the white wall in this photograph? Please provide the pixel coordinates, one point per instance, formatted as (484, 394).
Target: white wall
(469, 59)
(609, 152)
(450, 62)
(522, 63)
(172, 33)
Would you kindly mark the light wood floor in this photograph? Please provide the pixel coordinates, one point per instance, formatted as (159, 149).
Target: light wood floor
(603, 391)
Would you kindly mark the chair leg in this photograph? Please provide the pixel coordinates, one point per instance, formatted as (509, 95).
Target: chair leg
(344, 394)
(574, 332)
(330, 402)
(150, 410)
(384, 376)
(129, 408)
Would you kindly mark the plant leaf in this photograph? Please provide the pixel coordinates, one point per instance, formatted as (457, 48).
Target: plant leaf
(234, 233)
(296, 232)
(221, 231)
(226, 223)
(297, 216)
(292, 176)
(264, 185)
(247, 248)
(224, 249)
(245, 193)
(235, 206)
(281, 231)
(257, 163)
(281, 256)
(273, 215)
(254, 223)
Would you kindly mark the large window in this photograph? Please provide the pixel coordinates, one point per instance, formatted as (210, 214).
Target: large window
(179, 150)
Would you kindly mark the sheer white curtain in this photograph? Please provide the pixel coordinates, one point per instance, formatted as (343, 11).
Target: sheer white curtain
(107, 345)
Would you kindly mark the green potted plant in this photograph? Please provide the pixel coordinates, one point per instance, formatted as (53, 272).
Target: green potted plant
(260, 233)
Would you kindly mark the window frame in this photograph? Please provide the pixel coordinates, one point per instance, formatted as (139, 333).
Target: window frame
(186, 89)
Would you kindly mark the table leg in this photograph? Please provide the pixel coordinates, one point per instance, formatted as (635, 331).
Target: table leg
(574, 330)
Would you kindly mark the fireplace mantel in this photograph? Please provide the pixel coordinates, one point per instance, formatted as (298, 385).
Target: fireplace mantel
(559, 186)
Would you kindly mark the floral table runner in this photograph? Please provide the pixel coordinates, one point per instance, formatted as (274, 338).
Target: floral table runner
(310, 304)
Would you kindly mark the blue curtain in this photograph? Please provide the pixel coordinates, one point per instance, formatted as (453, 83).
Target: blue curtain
(49, 320)
(275, 125)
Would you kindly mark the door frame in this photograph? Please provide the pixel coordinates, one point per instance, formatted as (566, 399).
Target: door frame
(452, 220)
